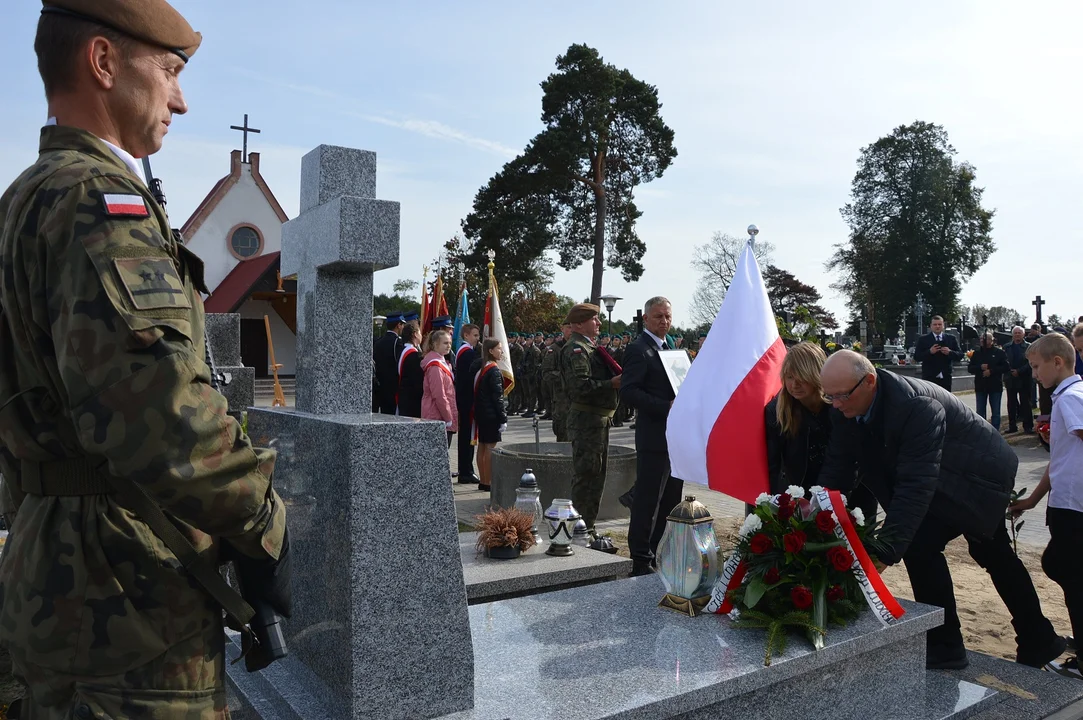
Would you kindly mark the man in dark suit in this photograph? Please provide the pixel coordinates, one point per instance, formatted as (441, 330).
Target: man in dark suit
(891, 431)
(937, 352)
(464, 400)
(385, 360)
(646, 387)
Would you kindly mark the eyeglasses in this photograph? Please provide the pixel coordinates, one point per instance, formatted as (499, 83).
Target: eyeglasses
(843, 397)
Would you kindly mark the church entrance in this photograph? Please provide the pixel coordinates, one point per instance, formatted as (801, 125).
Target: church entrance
(254, 346)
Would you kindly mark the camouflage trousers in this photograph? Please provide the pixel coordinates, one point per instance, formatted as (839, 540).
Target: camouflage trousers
(545, 399)
(560, 418)
(529, 394)
(590, 458)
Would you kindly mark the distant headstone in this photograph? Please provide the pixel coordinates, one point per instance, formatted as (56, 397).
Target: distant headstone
(236, 382)
(380, 625)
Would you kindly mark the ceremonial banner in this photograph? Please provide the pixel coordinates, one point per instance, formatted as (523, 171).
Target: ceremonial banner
(716, 429)
(494, 328)
(462, 317)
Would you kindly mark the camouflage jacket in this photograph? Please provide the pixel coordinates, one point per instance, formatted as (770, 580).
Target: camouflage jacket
(102, 357)
(587, 380)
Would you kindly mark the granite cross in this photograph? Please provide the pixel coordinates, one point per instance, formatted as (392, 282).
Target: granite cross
(639, 322)
(245, 129)
(342, 235)
(1038, 302)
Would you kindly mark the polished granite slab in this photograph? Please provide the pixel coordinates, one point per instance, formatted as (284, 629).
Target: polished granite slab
(1024, 693)
(608, 651)
(534, 571)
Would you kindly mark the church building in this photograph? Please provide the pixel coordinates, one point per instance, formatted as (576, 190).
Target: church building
(237, 231)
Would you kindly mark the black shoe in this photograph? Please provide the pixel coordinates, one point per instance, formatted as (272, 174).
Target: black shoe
(604, 544)
(627, 498)
(945, 657)
(454, 474)
(1049, 654)
(1011, 431)
(484, 488)
(618, 423)
(468, 479)
(1068, 668)
(633, 426)
(528, 415)
(642, 567)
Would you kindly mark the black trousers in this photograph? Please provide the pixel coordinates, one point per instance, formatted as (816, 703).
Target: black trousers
(466, 450)
(944, 382)
(932, 584)
(1019, 407)
(656, 494)
(1060, 561)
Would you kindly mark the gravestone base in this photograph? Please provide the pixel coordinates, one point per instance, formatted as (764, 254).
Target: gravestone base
(380, 608)
(552, 465)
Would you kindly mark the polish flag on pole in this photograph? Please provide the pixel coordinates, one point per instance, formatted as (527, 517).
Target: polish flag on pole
(716, 425)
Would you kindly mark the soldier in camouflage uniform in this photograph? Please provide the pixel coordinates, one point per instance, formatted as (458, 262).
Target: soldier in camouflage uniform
(591, 380)
(545, 376)
(560, 397)
(515, 399)
(616, 351)
(106, 403)
(525, 373)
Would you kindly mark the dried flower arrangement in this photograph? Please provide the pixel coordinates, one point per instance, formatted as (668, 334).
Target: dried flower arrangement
(504, 527)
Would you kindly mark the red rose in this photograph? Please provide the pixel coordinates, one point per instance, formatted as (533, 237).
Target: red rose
(793, 541)
(801, 597)
(835, 593)
(824, 522)
(785, 511)
(840, 558)
(785, 499)
(760, 544)
(772, 576)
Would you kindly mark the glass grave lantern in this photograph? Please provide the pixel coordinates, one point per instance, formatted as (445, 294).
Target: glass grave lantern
(561, 518)
(528, 499)
(688, 557)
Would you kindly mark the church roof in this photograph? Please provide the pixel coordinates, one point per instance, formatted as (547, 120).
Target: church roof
(222, 188)
(237, 286)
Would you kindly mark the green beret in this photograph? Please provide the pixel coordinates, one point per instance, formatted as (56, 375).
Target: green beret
(154, 22)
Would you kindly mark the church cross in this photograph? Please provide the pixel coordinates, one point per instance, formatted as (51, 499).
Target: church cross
(1038, 302)
(245, 129)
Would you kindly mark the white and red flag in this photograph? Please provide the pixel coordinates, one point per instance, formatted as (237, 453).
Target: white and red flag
(494, 328)
(716, 426)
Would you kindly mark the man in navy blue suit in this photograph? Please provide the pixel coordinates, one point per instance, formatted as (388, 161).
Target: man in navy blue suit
(937, 352)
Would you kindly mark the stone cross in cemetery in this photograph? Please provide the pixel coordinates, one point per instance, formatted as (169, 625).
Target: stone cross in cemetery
(1037, 302)
(380, 626)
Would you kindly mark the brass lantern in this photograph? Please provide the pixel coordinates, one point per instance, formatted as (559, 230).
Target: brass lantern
(688, 557)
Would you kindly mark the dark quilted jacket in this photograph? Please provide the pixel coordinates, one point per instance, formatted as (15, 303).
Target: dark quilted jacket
(923, 451)
(490, 406)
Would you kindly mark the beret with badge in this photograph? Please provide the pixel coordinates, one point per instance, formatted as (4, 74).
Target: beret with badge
(581, 313)
(154, 22)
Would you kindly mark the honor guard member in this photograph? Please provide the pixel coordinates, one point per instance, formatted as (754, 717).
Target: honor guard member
(591, 381)
(136, 481)
(560, 396)
(525, 373)
(515, 399)
(548, 366)
(616, 351)
(539, 349)
(385, 358)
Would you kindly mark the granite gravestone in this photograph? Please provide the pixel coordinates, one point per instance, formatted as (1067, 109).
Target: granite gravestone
(380, 625)
(236, 382)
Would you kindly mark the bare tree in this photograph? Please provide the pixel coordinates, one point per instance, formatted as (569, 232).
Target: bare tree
(716, 263)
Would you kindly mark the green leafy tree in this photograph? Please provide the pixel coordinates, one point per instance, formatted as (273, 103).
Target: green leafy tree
(916, 225)
(796, 304)
(572, 188)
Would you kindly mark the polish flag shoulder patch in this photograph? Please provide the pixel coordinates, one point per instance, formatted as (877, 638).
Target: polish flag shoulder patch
(125, 205)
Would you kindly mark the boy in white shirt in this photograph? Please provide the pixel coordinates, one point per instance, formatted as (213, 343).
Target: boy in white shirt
(1052, 358)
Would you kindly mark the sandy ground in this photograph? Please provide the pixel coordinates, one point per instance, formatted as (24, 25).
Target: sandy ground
(986, 623)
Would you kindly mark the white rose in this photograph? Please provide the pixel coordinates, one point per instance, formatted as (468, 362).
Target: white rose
(859, 516)
(815, 490)
(845, 502)
(763, 499)
(752, 524)
(795, 491)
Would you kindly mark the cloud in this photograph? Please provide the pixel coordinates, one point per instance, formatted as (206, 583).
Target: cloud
(440, 131)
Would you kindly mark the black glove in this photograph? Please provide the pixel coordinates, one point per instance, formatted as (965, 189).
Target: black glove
(268, 580)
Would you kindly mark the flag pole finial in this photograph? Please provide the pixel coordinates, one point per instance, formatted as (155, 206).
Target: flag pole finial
(753, 231)
(492, 256)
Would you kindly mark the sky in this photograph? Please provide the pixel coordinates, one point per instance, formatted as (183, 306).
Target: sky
(770, 103)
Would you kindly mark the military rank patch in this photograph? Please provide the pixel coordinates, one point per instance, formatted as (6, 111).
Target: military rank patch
(152, 283)
(127, 205)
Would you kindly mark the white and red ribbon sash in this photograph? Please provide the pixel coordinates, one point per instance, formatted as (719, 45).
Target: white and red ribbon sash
(477, 383)
(880, 599)
(462, 348)
(406, 352)
(733, 574)
(442, 364)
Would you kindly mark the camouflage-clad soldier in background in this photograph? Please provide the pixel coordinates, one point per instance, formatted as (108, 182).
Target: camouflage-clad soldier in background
(560, 397)
(545, 376)
(106, 400)
(515, 399)
(591, 380)
(526, 372)
(616, 351)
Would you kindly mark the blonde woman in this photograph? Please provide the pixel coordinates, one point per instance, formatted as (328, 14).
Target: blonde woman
(798, 422)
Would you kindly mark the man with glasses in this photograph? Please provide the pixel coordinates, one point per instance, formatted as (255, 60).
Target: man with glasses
(890, 431)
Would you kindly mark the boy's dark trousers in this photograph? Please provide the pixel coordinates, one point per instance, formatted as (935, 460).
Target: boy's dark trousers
(1061, 560)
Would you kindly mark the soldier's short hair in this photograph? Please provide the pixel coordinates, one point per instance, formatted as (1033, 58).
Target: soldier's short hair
(59, 42)
(657, 300)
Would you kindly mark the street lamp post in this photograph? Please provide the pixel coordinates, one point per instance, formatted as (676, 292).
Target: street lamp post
(610, 302)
